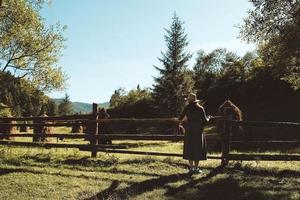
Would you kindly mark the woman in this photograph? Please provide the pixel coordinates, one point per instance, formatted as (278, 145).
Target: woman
(194, 147)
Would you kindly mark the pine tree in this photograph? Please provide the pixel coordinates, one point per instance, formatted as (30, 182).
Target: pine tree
(175, 80)
(51, 108)
(65, 107)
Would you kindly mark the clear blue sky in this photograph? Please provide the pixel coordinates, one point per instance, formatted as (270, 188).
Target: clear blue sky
(115, 43)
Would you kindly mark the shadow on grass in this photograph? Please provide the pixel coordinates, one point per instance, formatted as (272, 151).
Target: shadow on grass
(5, 171)
(229, 185)
(237, 184)
(264, 172)
(224, 189)
(88, 162)
(193, 182)
(138, 188)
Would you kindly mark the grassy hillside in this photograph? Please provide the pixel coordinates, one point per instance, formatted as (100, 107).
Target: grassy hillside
(80, 107)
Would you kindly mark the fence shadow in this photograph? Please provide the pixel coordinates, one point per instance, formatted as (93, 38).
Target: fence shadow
(149, 185)
(140, 187)
(230, 186)
(193, 182)
(221, 189)
(264, 172)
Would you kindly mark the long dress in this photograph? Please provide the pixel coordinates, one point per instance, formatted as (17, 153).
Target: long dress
(194, 147)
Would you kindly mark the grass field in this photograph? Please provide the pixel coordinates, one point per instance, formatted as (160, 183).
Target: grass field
(37, 173)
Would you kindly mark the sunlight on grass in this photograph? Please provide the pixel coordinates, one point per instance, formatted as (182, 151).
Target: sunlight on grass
(38, 173)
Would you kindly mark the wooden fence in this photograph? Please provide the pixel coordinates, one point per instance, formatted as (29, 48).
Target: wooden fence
(227, 142)
(94, 136)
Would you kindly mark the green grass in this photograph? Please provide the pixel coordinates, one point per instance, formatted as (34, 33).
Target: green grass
(37, 173)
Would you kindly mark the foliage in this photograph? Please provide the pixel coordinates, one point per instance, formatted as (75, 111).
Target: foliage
(246, 80)
(29, 49)
(20, 96)
(121, 98)
(135, 103)
(117, 98)
(51, 108)
(275, 26)
(5, 111)
(65, 107)
(220, 72)
(175, 80)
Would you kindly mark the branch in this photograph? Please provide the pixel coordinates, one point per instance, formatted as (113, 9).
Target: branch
(34, 53)
(19, 68)
(12, 54)
(6, 65)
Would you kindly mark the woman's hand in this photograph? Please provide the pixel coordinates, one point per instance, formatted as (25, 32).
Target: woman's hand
(209, 118)
(175, 119)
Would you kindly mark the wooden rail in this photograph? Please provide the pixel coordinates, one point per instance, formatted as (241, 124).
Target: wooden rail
(268, 142)
(68, 124)
(50, 118)
(150, 153)
(265, 124)
(92, 121)
(59, 145)
(108, 136)
(226, 155)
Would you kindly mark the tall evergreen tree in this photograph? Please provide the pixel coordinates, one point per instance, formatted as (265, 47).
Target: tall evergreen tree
(65, 107)
(51, 108)
(175, 80)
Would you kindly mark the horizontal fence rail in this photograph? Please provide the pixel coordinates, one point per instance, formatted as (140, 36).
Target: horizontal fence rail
(67, 124)
(94, 136)
(66, 117)
(149, 153)
(106, 136)
(269, 142)
(59, 145)
(265, 124)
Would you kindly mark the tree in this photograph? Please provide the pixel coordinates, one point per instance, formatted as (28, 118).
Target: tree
(117, 97)
(20, 96)
(121, 98)
(207, 70)
(5, 111)
(51, 108)
(175, 80)
(136, 103)
(65, 107)
(275, 26)
(29, 49)
(219, 69)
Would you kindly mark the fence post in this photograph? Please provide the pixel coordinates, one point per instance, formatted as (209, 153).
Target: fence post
(24, 127)
(7, 129)
(226, 136)
(37, 129)
(175, 128)
(94, 130)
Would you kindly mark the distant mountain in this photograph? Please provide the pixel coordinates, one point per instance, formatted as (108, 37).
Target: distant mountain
(81, 107)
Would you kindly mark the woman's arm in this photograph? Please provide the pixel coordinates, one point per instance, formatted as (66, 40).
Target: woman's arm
(205, 118)
(183, 113)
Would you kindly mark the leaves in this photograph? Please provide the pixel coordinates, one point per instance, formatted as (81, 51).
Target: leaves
(275, 26)
(28, 48)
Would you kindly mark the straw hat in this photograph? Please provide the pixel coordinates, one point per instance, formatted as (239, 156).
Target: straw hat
(192, 98)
